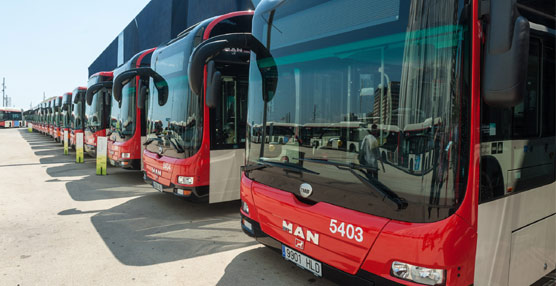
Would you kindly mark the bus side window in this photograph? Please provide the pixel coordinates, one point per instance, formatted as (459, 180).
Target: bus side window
(526, 114)
(549, 90)
(523, 160)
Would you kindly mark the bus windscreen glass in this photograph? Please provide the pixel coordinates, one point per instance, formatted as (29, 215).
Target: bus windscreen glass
(176, 126)
(370, 112)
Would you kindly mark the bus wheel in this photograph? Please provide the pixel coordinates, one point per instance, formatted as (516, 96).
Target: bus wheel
(490, 187)
(491, 184)
(352, 148)
(411, 166)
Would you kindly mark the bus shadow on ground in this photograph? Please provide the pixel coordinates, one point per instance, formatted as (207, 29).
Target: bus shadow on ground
(151, 228)
(158, 228)
(118, 183)
(264, 266)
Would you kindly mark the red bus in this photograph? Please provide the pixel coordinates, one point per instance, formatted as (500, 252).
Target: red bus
(484, 213)
(97, 110)
(10, 117)
(188, 139)
(76, 113)
(127, 120)
(45, 113)
(55, 102)
(58, 121)
(41, 114)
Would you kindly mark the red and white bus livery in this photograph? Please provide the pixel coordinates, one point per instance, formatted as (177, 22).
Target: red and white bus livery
(77, 114)
(97, 110)
(10, 117)
(128, 119)
(485, 191)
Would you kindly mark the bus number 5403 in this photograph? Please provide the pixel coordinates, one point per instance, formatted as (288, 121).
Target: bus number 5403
(346, 230)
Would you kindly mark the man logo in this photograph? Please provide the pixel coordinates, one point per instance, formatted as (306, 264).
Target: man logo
(156, 171)
(299, 243)
(305, 190)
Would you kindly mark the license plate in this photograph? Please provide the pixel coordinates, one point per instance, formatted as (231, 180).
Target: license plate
(157, 186)
(303, 261)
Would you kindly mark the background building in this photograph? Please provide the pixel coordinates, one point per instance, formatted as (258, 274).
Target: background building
(159, 22)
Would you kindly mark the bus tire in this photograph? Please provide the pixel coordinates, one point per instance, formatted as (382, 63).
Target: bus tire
(491, 182)
(411, 166)
(352, 148)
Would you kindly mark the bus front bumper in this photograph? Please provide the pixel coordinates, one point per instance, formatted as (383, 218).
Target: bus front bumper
(253, 229)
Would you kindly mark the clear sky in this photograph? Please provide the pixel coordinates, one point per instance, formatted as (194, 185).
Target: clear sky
(48, 45)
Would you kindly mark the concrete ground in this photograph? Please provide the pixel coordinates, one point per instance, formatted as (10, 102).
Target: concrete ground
(60, 224)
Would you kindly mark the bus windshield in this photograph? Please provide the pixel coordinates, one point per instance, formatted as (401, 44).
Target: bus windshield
(77, 116)
(93, 112)
(176, 126)
(127, 113)
(122, 116)
(369, 106)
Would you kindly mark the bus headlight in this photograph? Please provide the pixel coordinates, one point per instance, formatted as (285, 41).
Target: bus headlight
(245, 207)
(185, 180)
(418, 274)
(126, 155)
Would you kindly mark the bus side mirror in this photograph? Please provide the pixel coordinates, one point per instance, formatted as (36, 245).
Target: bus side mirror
(214, 81)
(142, 97)
(506, 56)
(77, 98)
(212, 47)
(159, 83)
(95, 88)
(121, 80)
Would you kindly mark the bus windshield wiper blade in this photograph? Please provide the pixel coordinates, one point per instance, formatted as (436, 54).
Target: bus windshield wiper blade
(373, 184)
(249, 168)
(150, 140)
(174, 143)
(261, 163)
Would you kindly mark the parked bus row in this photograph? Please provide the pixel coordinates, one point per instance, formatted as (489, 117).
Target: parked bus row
(370, 142)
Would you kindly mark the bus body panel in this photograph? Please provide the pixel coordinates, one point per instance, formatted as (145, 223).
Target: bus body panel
(90, 140)
(448, 244)
(165, 170)
(225, 163)
(73, 136)
(504, 222)
(131, 146)
(275, 209)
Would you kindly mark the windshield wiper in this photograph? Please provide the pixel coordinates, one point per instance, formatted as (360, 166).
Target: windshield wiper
(152, 139)
(174, 143)
(261, 164)
(371, 183)
(120, 133)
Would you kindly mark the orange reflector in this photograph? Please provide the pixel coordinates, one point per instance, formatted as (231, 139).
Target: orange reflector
(510, 189)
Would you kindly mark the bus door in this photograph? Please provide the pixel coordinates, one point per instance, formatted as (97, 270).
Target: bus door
(228, 127)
